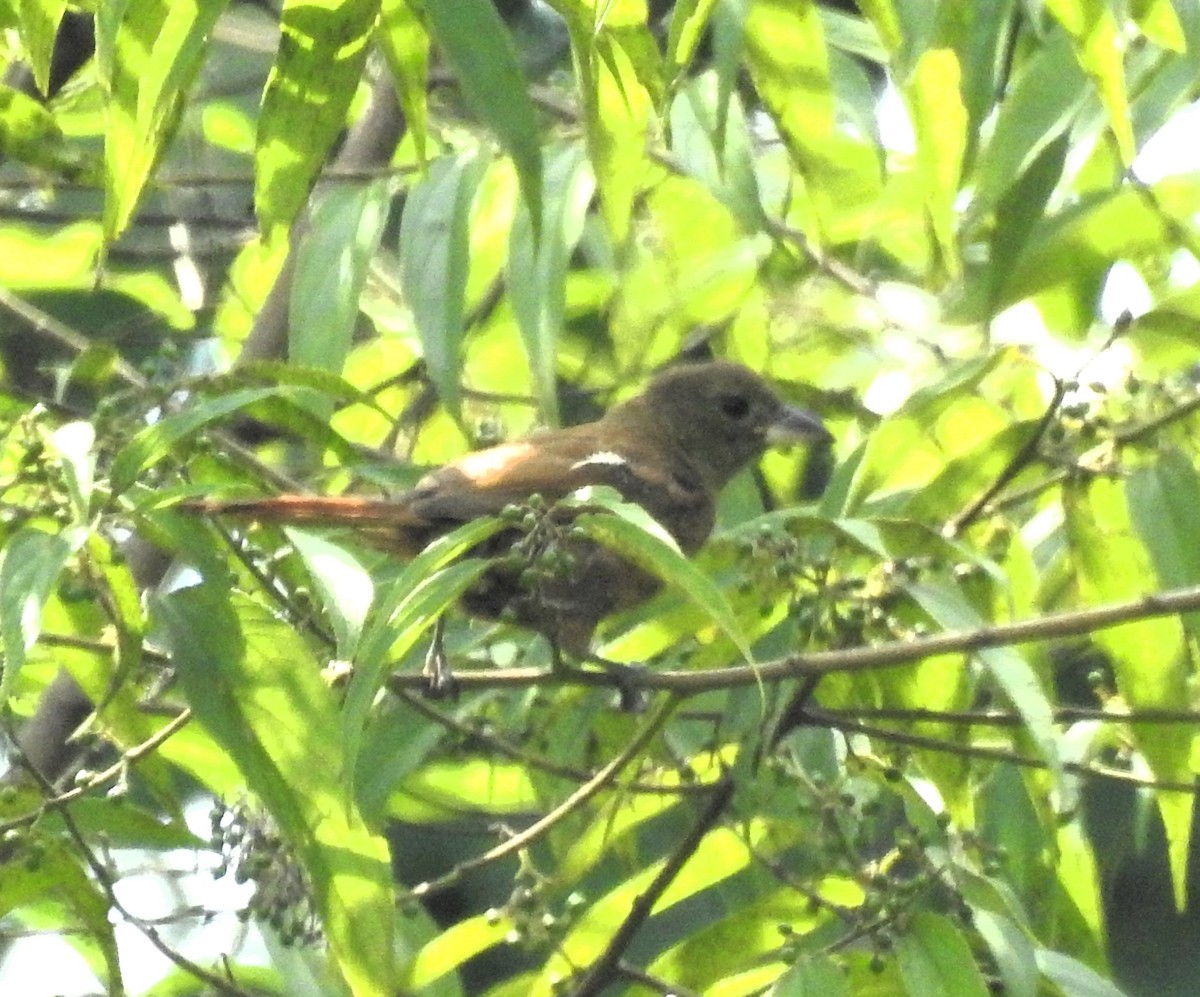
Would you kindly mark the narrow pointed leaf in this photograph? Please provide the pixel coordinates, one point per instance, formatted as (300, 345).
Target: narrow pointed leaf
(630, 531)
(32, 562)
(255, 687)
(477, 45)
(434, 261)
(322, 48)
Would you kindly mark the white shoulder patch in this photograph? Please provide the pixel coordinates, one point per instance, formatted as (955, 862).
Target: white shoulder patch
(485, 466)
(601, 457)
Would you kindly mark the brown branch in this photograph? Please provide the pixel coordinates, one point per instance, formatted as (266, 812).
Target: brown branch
(632, 974)
(101, 876)
(46, 326)
(1073, 623)
(114, 771)
(99, 646)
(540, 827)
(1020, 460)
(1123, 437)
(506, 749)
(606, 968)
(1006, 718)
(820, 718)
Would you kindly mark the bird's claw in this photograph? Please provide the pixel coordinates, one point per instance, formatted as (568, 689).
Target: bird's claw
(633, 697)
(439, 679)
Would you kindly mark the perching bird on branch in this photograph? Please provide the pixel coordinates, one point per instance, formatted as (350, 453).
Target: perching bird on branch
(670, 450)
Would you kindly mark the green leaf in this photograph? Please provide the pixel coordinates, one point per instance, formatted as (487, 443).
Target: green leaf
(1112, 565)
(936, 961)
(405, 609)
(1163, 499)
(292, 412)
(435, 253)
(477, 45)
(39, 28)
(748, 932)
(722, 854)
(30, 564)
(453, 947)
(416, 613)
(405, 45)
(331, 269)
(1072, 977)
(269, 372)
(322, 48)
(1100, 49)
(634, 534)
(123, 599)
(965, 476)
(1019, 212)
(123, 824)
(154, 442)
(73, 444)
(900, 452)
(147, 53)
(1045, 97)
(255, 687)
(1168, 336)
(617, 110)
(1012, 949)
(1082, 241)
(812, 976)
(787, 58)
(537, 267)
(345, 588)
(713, 145)
(1160, 23)
(688, 21)
(30, 134)
(940, 122)
(49, 870)
(1007, 666)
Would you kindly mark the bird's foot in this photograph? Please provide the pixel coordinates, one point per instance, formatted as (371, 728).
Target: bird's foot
(439, 680)
(628, 678)
(633, 697)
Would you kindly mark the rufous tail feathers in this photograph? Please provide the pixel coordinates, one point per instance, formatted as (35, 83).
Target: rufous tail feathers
(336, 510)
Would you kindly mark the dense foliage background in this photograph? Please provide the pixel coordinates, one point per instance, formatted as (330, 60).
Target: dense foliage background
(921, 716)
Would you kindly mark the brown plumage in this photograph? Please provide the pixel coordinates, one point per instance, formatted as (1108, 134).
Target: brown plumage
(670, 450)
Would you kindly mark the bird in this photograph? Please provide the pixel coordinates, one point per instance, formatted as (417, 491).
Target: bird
(670, 450)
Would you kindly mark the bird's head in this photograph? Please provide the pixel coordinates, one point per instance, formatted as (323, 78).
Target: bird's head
(722, 416)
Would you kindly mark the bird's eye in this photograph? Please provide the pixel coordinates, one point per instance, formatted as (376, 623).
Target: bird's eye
(736, 407)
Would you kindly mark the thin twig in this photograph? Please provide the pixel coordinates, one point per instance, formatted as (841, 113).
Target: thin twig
(45, 325)
(1073, 623)
(584, 793)
(1020, 460)
(1007, 718)
(114, 771)
(1121, 438)
(821, 719)
(603, 971)
(503, 747)
(99, 645)
(633, 974)
(101, 876)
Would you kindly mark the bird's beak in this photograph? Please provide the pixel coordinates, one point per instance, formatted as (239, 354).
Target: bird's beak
(797, 426)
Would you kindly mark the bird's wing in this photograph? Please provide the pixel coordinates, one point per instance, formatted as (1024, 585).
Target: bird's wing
(551, 465)
(556, 464)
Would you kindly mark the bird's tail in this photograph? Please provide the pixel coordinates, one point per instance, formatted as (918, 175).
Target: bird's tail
(326, 510)
(388, 525)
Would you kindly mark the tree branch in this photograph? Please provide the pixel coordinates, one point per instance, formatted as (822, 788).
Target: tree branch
(1073, 623)
(605, 969)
